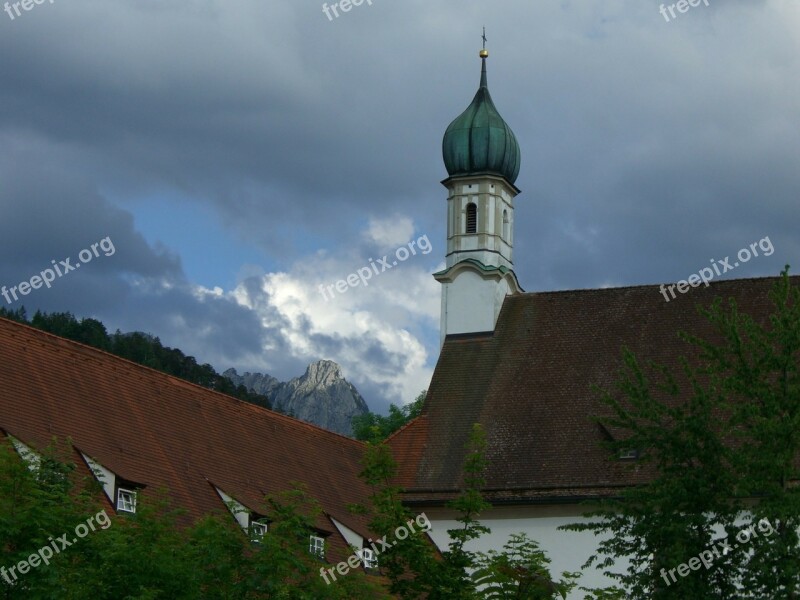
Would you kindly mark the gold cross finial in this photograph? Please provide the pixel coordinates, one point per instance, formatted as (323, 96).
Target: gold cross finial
(484, 53)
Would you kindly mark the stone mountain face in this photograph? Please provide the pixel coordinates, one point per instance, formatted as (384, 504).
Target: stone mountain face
(255, 382)
(321, 396)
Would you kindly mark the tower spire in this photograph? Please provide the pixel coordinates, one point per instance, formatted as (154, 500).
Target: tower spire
(484, 53)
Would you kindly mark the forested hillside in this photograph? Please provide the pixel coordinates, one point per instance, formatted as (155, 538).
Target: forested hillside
(138, 347)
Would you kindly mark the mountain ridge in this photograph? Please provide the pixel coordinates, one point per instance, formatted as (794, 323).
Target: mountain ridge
(321, 395)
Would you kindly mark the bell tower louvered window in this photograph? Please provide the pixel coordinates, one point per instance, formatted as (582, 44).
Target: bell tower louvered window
(472, 218)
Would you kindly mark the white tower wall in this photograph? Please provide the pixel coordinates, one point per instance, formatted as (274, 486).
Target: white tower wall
(479, 264)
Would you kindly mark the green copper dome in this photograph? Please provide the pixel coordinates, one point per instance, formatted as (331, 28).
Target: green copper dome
(480, 141)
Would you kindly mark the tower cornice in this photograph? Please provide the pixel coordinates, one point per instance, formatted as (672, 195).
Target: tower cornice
(483, 175)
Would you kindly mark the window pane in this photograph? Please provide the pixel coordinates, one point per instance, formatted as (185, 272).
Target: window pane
(126, 500)
(317, 546)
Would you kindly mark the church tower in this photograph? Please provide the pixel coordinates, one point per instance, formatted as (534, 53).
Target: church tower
(482, 158)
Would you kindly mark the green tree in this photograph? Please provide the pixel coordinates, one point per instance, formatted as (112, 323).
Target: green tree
(412, 565)
(153, 553)
(409, 564)
(458, 561)
(521, 571)
(140, 556)
(756, 368)
(86, 331)
(18, 315)
(720, 441)
(372, 427)
(39, 501)
(283, 567)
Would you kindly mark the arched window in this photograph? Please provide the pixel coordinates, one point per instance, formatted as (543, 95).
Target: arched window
(472, 218)
(505, 225)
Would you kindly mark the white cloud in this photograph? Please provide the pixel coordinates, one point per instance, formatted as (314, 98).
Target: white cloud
(374, 332)
(390, 232)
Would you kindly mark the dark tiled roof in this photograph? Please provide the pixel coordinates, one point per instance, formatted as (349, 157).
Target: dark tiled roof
(159, 431)
(530, 386)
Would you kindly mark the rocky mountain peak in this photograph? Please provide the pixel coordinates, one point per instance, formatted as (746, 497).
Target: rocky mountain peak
(321, 396)
(323, 373)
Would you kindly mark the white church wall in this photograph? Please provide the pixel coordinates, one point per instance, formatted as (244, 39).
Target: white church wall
(471, 303)
(566, 549)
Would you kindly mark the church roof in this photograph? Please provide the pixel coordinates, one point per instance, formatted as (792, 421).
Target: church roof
(529, 383)
(479, 141)
(159, 431)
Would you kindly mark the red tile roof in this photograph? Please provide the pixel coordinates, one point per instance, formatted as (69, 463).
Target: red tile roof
(159, 431)
(530, 386)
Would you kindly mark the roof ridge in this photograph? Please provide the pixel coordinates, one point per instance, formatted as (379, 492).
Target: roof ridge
(404, 427)
(172, 379)
(646, 285)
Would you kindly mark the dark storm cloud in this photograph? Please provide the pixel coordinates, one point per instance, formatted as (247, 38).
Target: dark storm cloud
(247, 118)
(211, 328)
(685, 186)
(50, 213)
(647, 147)
(181, 98)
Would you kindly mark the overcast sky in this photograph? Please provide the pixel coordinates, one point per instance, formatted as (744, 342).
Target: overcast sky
(239, 153)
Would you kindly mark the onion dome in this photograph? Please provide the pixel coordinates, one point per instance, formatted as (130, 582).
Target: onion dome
(479, 141)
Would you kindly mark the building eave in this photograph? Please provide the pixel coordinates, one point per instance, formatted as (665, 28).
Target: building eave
(486, 271)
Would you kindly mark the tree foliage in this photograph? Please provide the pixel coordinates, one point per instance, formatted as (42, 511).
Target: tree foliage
(520, 571)
(721, 439)
(415, 568)
(372, 427)
(153, 554)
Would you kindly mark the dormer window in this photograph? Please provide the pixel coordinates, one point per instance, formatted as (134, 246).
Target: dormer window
(126, 500)
(316, 546)
(368, 558)
(472, 218)
(629, 454)
(258, 530)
